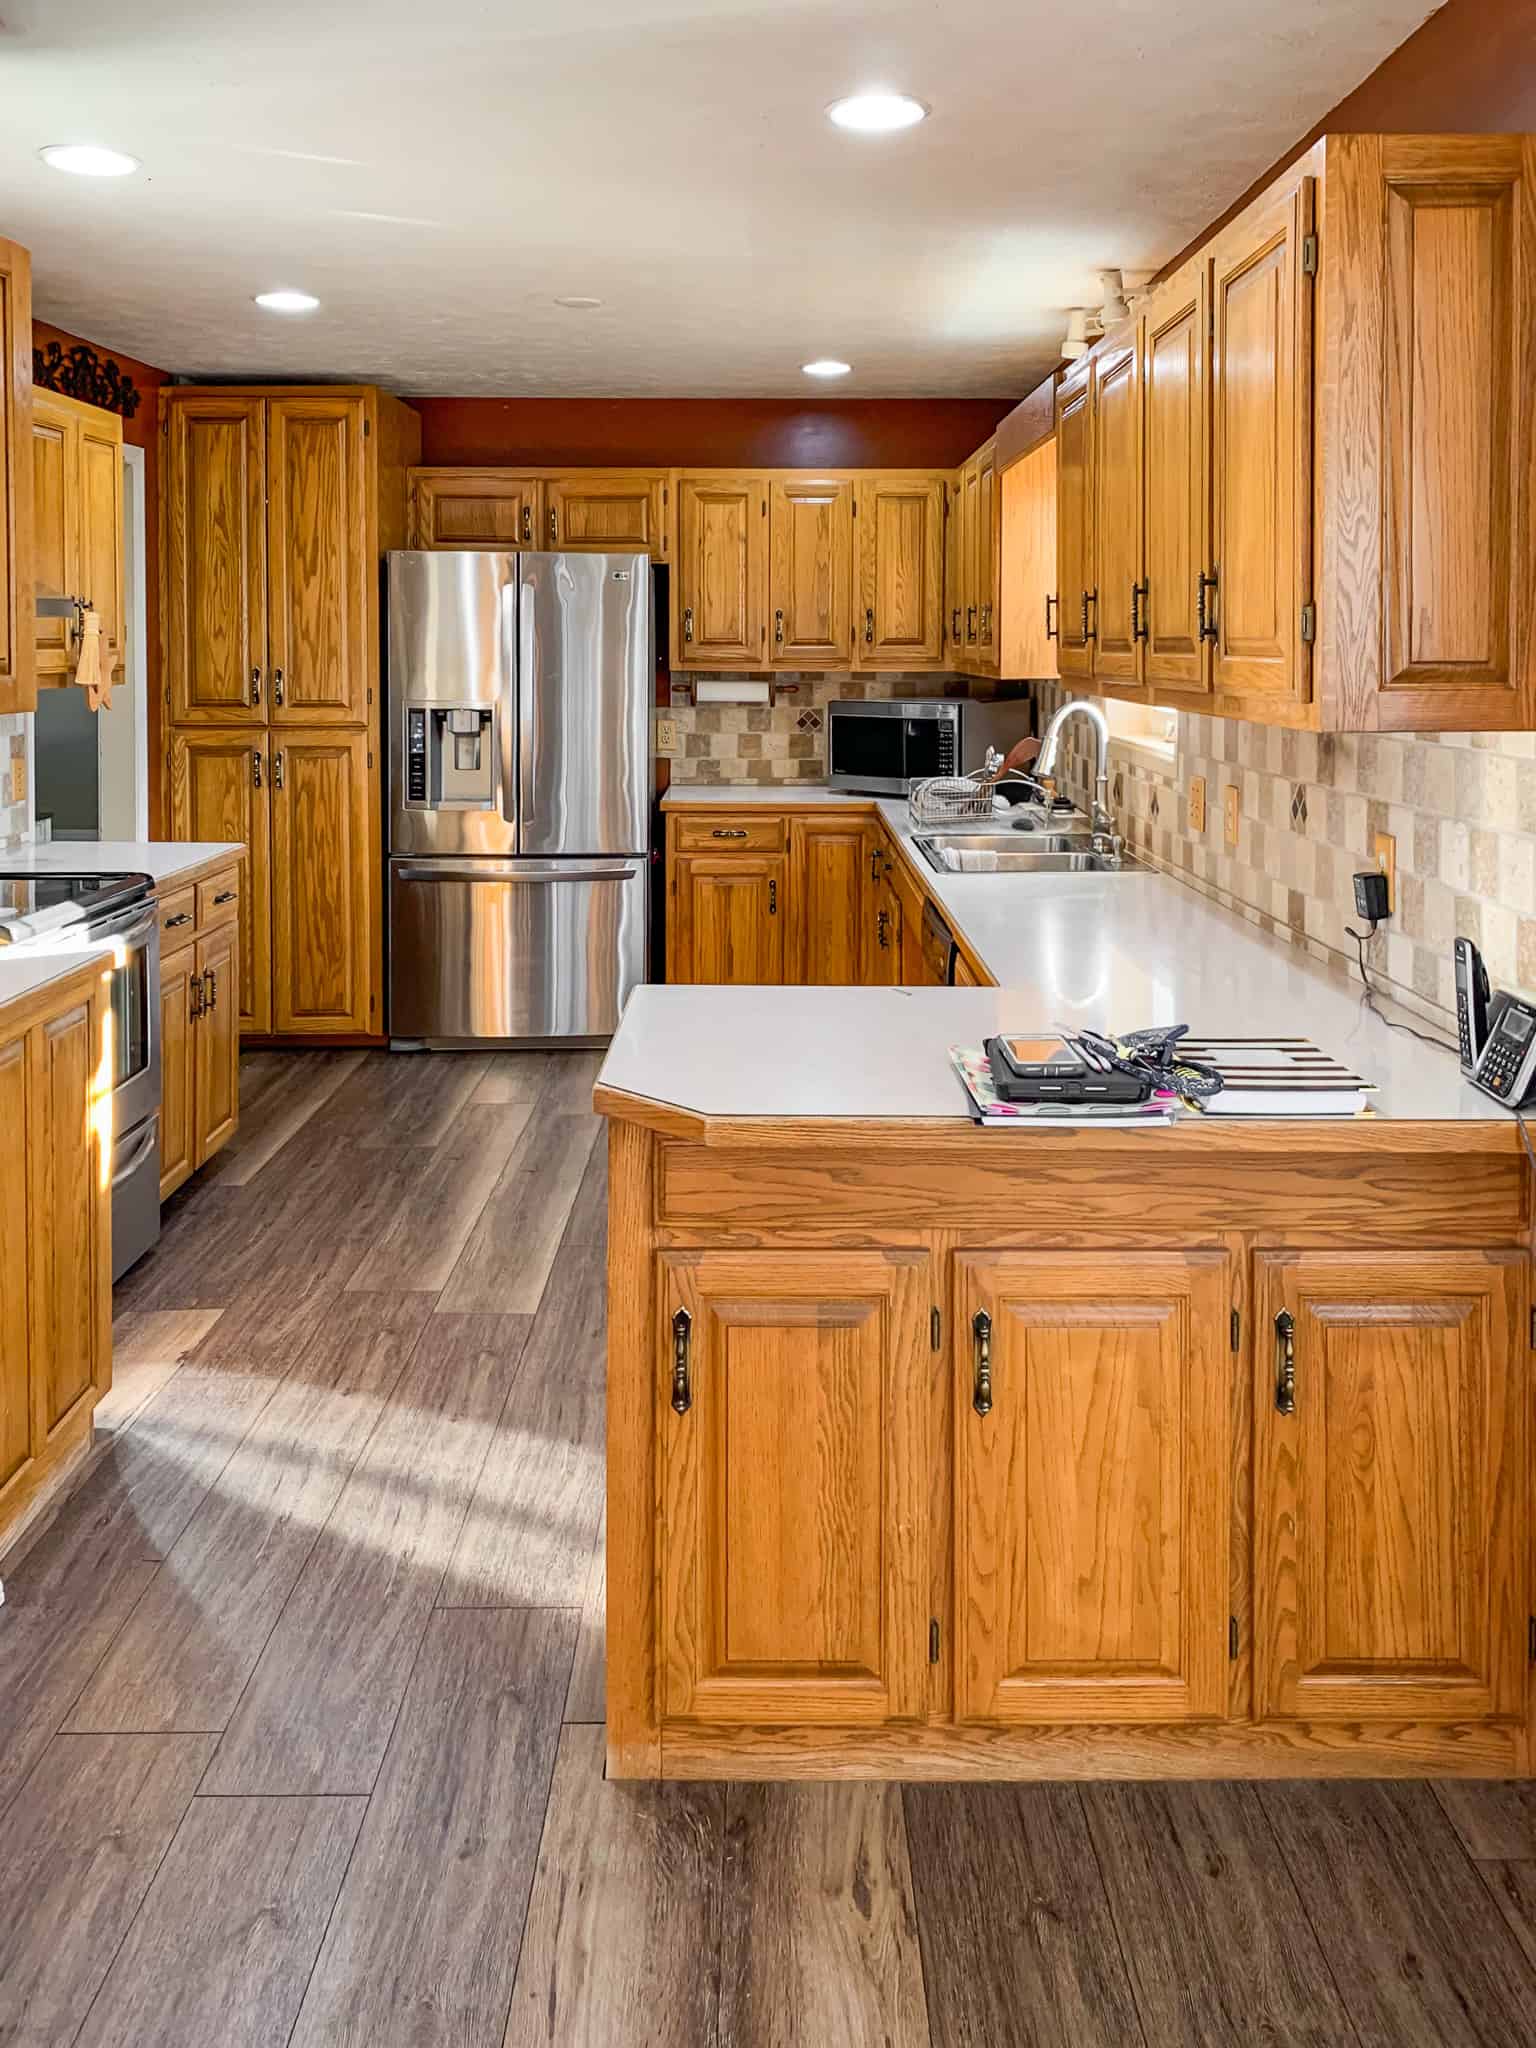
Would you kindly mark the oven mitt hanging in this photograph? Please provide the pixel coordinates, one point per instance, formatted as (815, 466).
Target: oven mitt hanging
(90, 672)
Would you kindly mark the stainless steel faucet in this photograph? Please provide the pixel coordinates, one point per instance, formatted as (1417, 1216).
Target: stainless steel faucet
(1044, 769)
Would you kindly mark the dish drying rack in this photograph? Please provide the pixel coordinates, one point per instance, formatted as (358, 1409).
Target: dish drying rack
(962, 799)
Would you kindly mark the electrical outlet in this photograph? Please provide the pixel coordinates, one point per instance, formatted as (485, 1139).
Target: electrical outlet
(1197, 803)
(18, 778)
(1230, 812)
(666, 735)
(1384, 847)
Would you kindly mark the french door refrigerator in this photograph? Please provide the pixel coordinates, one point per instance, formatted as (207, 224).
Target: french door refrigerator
(520, 778)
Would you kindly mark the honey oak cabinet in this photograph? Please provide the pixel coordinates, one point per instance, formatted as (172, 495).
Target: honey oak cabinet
(614, 511)
(1092, 1447)
(325, 907)
(810, 572)
(220, 791)
(792, 1396)
(1392, 1486)
(827, 860)
(722, 571)
(321, 562)
(1074, 523)
(476, 508)
(1175, 454)
(899, 622)
(1116, 586)
(623, 512)
(729, 916)
(77, 499)
(213, 512)
(1027, 611)
(199, 1025)
(18, 674)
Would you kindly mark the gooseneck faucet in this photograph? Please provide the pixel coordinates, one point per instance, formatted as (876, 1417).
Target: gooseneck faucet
(1044, 769)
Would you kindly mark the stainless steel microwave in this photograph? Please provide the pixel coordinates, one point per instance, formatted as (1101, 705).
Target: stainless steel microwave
(878, 746)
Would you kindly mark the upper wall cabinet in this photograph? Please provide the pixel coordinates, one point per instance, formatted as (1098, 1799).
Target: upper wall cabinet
(1297, 488)
(18, 683)
(476, 508)
(900, 621)
(622, 513)
(619, 511)
(810, 571)
(77, 530)
(722, 526)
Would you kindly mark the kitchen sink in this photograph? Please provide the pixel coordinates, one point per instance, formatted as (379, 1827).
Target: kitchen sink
(1055, 853)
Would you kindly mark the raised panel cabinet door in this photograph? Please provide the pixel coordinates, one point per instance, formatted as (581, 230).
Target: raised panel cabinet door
(323, 864)
(722, 525)
(624, 514)
(321, 568)
(100, 471)
(213, 512)
(475, 508)
(178, 1068)
(217, 1040)
(1460, 595)
(1392, 1486)
(1074, 526)
(970, 483)
(1027, 567)
(16, 1447)
(1261, 452)
(954, 570)
(18, 676)
(792, 1391)
(810, 576)
(71, 1222)
(828, 860)
(1117, 516)
(55, 527)
(1092, 1408)
(882, 915)
(899, 528)
(220, 791)
(1175, 351)
(730, 914)
(984, 573)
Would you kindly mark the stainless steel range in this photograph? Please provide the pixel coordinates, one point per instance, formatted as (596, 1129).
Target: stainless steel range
(63, 910)
(520, 691)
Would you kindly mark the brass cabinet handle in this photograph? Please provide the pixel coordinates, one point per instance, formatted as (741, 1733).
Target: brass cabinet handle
(255, 767)
(773, 899)
(688, 622)
(211, 989)
(554, 524)
(1139, 594)
(255, 686)
(778, 629)
(970, 622)
(1285, 1363)
(225, 896)
(682, 1391)
(527, 522)
(981, 1340)
(181, 917)
(1052, 632)
(729, 832)
(883, 928)
(954, 624)
(869, 625)
(195, 996)
(874, 864)
(277, 769)
(277, 686)
(986, 622)
(1203, 619)
(1090, 597)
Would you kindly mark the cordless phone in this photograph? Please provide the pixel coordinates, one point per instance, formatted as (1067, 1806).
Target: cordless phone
(1507, 1068)
(1471, 1005)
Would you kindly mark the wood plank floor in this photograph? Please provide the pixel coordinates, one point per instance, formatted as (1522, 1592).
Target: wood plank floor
(301, 1695)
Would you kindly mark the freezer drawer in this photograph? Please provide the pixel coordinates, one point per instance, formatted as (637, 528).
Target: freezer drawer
(513, 951)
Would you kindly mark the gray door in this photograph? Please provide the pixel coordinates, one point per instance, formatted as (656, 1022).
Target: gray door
(584, 704)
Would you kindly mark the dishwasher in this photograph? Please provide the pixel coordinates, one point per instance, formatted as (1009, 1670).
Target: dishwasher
(939, 949)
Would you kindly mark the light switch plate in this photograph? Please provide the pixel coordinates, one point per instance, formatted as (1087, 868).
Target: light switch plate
(18, 778)
(1384, 848)
(1230, 810)
(666, 735)
(1197, 803)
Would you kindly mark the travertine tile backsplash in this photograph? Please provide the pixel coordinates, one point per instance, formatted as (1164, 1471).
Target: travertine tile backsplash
(1461, 807)
(15, 819)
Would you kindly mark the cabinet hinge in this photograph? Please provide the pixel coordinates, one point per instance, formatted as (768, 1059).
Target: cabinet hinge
(933, 1642)
(1533, 1327)
(1237, 1330)
(1309, 623)
(1530, 1638)
(1309, 255)
(367, 429)
(1232, 1637)
(935, 1330)
(370, 760)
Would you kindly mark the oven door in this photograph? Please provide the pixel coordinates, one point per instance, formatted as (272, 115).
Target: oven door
(134, 998)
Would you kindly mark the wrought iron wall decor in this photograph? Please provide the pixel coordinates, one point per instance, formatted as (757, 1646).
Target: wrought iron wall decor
(78, 372)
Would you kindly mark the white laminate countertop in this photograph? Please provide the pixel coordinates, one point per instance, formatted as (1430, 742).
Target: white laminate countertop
(781, 796)
(25, 969)
(1111, 952)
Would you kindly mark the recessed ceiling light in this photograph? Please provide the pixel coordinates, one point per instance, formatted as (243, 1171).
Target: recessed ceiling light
(88, 160)
(826, 366)
(575, 303)
(287, 302)
(877, 113)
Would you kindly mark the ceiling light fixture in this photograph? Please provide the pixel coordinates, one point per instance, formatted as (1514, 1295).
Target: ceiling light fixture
(826, 366)
(286, 301)
(877, 113)
(575, 303)
(88, 160)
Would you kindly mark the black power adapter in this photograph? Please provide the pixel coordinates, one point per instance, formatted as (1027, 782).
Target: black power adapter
(1372, 896)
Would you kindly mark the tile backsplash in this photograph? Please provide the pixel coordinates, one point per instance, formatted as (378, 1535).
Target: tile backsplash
(1460, 806)
(15, 744)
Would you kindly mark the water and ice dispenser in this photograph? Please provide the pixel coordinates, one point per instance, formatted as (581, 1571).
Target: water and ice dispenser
(450, 756)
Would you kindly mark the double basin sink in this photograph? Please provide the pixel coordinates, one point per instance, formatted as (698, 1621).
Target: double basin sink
(1023, 848)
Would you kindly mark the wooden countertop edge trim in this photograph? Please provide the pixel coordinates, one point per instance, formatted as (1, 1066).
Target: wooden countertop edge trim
(203, 871)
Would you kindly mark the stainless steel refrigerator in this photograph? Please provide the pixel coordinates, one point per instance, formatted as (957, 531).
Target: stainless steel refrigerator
(520, 779)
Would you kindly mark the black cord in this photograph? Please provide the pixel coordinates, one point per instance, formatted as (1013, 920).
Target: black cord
(1396, 1023)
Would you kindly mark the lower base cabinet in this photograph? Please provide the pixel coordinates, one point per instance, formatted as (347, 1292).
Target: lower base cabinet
(199, 1031)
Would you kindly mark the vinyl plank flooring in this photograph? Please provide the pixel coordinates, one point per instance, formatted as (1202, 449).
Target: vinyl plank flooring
(819, 1937)
(513, 1077)
(396, 1098)
(228, 1933)
(1019, 1946)
(423, 1945)
(185, 1655)
(623, 1936)
(446, 1192)
(212, 1242)
(506, 1262)
(279, 1094)
(1496, 1819)
(588, 1223)
(1196, 1881)
(148, 1347)
(1513, 1887)
(569, 1081)
(532, 1527)
(78, 1850)
(317, 1713)
(1402, 1917)
(586, 1699)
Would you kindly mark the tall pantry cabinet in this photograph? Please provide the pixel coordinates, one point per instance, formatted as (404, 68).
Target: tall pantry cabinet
(276, 505)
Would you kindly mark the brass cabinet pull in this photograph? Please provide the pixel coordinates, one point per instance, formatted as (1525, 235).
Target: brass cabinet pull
(981, 1338)
(211, 990)
(195, 996)
(225, 896)
(1203, 620)
(682, 1391)
(869, 625)
(773, 899)
(1285, 1363)
(255, 767)
(554, 524)
(277, 769)
(255, 686)
(527, 522)
(1139, 594)
(181, 917)
(954, 624)
(1090, 597)
(277, 686)
(778, 628)
(986, 622)
(729, 832)
(688, 622)
(970, 622)
(1052, 632)
(883, 928)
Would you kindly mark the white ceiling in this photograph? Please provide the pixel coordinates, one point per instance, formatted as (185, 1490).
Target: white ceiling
(438, 171)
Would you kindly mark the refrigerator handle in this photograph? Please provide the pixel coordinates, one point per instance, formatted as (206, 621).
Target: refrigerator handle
(507, 705)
